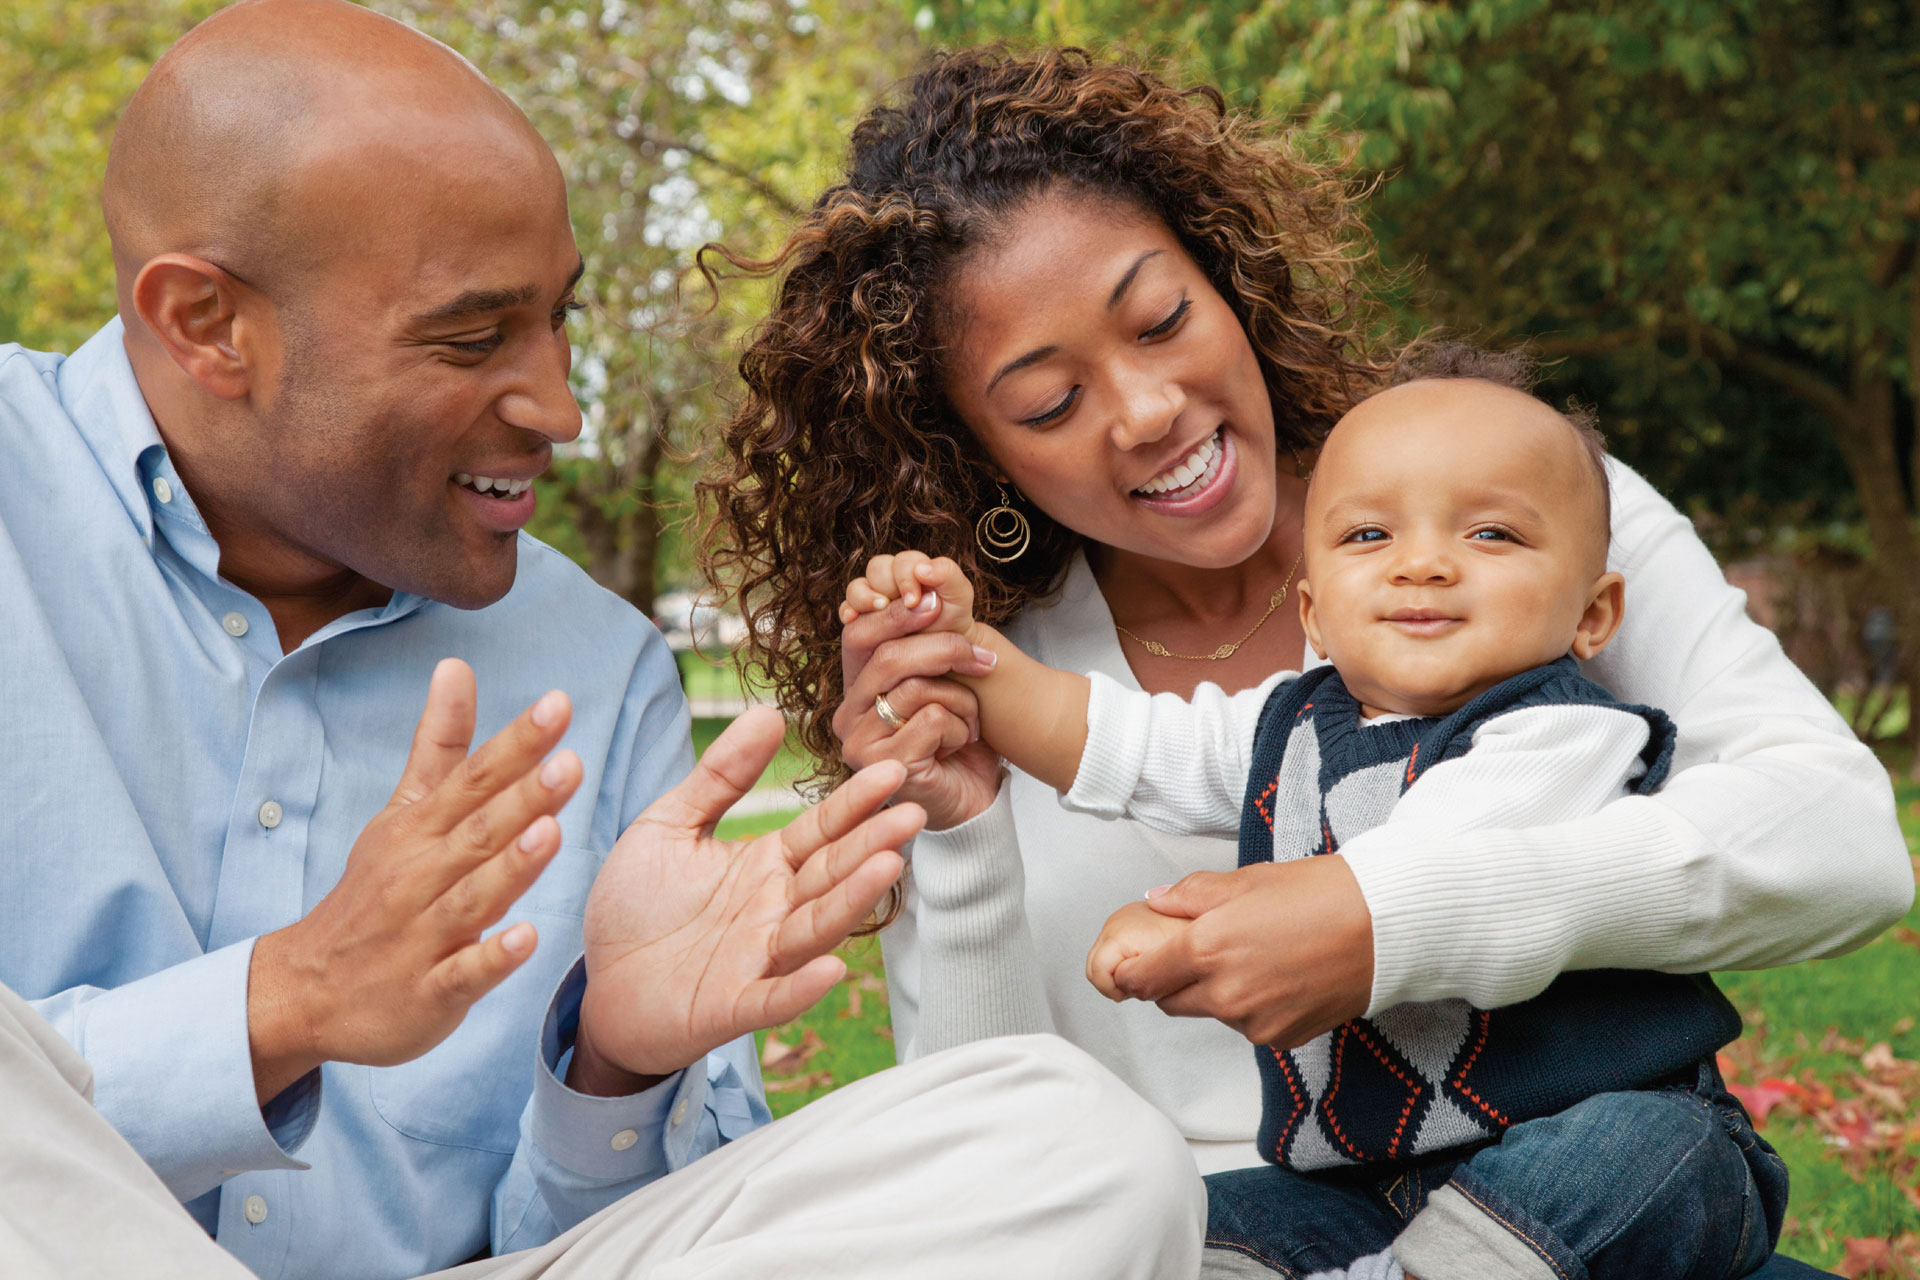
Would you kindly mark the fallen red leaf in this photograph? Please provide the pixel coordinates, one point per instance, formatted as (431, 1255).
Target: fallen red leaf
(1760, 1099)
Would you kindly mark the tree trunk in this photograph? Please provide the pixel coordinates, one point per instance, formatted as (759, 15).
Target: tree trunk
(1866, 439)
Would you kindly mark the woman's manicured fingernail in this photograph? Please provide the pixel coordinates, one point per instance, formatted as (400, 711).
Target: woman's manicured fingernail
(1157, 890)
(554, 772)
(548, 709)
(985, 657)
(928, 603)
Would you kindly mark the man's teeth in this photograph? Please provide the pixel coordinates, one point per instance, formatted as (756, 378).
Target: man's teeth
(1195, 466)
(483, 484)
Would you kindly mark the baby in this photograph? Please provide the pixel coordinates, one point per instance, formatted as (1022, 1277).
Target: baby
(1456, 536)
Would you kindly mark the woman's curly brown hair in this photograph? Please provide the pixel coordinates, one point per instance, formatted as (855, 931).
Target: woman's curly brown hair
(845, 444)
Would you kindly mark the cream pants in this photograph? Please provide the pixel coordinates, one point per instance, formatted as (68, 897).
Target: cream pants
(1004, 1159)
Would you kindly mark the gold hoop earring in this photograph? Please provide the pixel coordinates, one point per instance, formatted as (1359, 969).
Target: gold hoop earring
(1003, 533)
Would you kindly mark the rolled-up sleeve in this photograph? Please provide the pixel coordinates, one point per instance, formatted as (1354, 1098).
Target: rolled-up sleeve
(173, 1071)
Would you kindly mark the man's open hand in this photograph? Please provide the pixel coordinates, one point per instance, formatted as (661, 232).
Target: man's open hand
(694, 941)
(388, 963)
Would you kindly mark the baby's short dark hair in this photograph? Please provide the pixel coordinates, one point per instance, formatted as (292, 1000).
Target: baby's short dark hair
(1452, 358)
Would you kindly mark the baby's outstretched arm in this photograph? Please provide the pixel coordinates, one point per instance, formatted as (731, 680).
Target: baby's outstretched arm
(1032, 714)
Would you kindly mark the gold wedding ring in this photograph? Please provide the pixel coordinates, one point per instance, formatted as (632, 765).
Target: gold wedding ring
(885, 711)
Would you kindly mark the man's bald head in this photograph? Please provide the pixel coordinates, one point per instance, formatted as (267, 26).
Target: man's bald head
(232, 149)
(345, 265)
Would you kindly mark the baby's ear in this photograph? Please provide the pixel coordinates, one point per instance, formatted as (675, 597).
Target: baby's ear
(1308, 622)
(1606, 607)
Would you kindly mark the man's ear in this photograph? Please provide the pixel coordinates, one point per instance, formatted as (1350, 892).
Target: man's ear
(1308, 622)
(1605, 609)
(199, 315)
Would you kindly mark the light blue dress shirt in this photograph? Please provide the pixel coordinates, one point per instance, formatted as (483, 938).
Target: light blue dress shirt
(174, 787)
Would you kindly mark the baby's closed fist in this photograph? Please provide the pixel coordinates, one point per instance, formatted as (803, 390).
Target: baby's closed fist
(1133, 930)
(907, 577)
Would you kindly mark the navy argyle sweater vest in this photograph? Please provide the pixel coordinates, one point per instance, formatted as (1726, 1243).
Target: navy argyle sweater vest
(1424, 1078)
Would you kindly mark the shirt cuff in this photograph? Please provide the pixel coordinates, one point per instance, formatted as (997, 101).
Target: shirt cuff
(628, 1139)
(173, 1072)
(1116, 750)
(972, 861)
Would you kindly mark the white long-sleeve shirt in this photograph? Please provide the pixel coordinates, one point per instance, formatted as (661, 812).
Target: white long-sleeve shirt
(1180, 765)
(1773, 841)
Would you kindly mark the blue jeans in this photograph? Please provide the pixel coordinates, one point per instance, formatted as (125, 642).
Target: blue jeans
(1654, 1184)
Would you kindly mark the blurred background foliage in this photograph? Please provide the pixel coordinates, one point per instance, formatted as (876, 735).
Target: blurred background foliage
(1707, 211)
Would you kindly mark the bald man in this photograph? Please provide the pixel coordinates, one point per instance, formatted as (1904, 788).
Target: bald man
(366, 1001)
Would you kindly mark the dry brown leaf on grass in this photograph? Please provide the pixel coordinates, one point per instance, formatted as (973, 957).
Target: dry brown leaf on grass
(1895, 1258)
(777, 1057)
(853, 1002)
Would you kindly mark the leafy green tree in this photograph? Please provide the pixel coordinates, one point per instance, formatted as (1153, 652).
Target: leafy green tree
(65, 72)
(677, 122)
(1659, 188)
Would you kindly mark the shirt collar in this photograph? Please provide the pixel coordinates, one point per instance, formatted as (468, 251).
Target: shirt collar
(103, 398)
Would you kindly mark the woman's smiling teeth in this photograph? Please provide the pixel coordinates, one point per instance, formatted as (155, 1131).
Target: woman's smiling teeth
(1191, 472)
(491, 487)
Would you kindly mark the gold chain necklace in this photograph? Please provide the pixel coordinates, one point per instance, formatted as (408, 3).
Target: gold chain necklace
(1159, 650)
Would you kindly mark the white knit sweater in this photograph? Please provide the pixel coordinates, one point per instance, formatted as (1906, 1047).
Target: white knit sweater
(1773, 841)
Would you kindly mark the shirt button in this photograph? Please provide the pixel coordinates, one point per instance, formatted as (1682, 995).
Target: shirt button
(255, 1209)
(680, 1111)
(624, 1139)
(235, 623)
(270, 815)
(162, 490)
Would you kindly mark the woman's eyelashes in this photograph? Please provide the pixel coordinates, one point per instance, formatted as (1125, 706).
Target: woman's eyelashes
(1172, 322)
(1065, 403)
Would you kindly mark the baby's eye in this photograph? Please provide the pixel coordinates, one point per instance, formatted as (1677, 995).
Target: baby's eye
(1491, 535)
(1366, 535)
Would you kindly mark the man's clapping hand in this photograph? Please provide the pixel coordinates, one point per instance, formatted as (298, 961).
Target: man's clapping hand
(694, 941)
(388, 963)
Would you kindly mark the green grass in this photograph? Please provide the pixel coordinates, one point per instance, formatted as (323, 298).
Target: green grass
(710, 676)
(1870, 995)
(1793, 1014)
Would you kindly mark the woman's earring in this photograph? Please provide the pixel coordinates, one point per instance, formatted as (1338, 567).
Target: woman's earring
(1003, 533)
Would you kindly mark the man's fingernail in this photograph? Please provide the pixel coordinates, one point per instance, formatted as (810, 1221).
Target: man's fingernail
(554, 772)
(530, 838)
(518, 940)
(548, 709)
(985, 657)
(1158, 889)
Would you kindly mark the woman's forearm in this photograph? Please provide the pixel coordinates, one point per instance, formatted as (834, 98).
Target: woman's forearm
(964, 968)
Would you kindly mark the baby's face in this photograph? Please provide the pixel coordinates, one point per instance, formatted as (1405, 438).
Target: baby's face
(1454, 537)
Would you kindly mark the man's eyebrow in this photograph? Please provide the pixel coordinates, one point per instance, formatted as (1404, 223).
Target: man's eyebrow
(1034, 356)
(1126, 281)
(476, 302)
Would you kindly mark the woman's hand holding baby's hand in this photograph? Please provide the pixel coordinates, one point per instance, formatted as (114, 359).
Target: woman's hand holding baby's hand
(1133, 930)
(899, 651)
(1279, 951)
